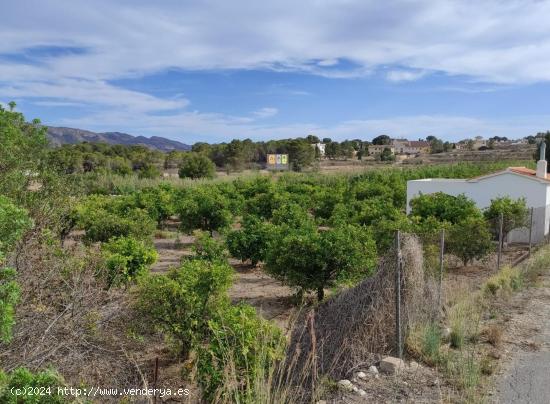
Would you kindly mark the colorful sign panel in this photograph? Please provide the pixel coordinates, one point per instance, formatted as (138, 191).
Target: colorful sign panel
(277, 161)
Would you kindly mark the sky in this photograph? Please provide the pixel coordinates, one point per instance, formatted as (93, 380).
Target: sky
(212, 70)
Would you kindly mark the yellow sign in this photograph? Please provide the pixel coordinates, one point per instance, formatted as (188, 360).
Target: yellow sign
(284, 159)
(271, 159)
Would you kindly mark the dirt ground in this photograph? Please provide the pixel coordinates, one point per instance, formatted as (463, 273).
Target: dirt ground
(270, 298)
(524, 375)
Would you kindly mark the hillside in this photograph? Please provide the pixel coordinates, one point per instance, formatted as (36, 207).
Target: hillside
(60, 135)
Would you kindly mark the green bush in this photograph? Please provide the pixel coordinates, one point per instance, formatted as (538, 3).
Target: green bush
(14, 221)
(208, 248)
(204, 208)
(105, 217)
(469, 239)
(313, 260)
(126, 259)
(251, 242)
(241, 347)
(45, 382)
(157, 201)
(9, 296)
(196, 165)
(444, 207)
(182, 302)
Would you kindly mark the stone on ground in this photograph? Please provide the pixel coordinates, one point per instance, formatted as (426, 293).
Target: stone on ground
(346, 385)
(391, 365)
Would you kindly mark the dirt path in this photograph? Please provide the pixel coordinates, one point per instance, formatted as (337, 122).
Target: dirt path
(525, 373)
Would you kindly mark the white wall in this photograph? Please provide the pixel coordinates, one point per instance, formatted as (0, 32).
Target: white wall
(536, 194)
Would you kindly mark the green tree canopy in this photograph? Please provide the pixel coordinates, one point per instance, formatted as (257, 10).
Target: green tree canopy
(313, 260)
(444, 207)
(513, 211)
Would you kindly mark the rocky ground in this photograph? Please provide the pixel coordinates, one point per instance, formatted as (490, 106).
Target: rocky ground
(391, 382)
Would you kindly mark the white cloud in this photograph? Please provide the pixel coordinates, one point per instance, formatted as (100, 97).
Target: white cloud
(191, 127)
(493, 40)
(266, 112)
(405, 75)
(496, 41)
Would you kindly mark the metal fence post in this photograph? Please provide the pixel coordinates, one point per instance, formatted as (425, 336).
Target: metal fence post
(499, 257)
(441, 258)
(531, 232)
(398, 339)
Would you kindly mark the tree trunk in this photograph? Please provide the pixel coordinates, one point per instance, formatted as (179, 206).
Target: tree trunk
(320, 293)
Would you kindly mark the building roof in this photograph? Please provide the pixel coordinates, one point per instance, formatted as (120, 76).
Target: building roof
(520, 171)
(419, 143)
(523, 171)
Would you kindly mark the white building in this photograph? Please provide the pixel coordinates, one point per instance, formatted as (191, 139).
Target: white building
(320, 147)
(513, 182)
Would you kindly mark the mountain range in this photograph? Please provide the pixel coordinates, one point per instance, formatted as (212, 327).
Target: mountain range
(60, 135)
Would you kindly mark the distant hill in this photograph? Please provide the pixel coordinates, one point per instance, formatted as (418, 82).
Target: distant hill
(59, 136)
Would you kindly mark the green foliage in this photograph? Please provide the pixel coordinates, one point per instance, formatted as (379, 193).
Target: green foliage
(387, 155)
(470, 239)
(312, 260)
(444, 207)
(182, 302)
(157, 201)
(126, 259)
(196, 165)
(208, 248)
(251, 242)
(513, 211)
(240, 343)
(381, 140)
(102, 157)
(105, 217)
(44, 382)
(22, 152)
(14, 221)
(300, 154)
(9, 296)
(204, 208)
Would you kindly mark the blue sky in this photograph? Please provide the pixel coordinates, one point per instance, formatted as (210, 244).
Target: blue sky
(216, 70)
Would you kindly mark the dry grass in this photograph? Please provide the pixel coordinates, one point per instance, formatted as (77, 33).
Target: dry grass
(357, 326)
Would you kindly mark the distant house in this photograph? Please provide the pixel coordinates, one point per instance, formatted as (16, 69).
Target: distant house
(320, 147)
(513, 182)
(377, 149)
(411, 146)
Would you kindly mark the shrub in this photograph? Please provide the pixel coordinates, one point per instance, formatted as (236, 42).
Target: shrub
(126, 259)
(514, 214)
(46, 381)
(182, 302)
(9, 296)
(208, 248)
(103, 225)
(312, 260)
(105, 217)
(203, 208)
(444, 207)
(241, 347)
(251, 241)
(158, 202)
(14, 221)
(469, 239)
(196, 165)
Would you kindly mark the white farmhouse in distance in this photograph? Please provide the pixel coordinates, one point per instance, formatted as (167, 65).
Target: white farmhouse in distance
(513, 182)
